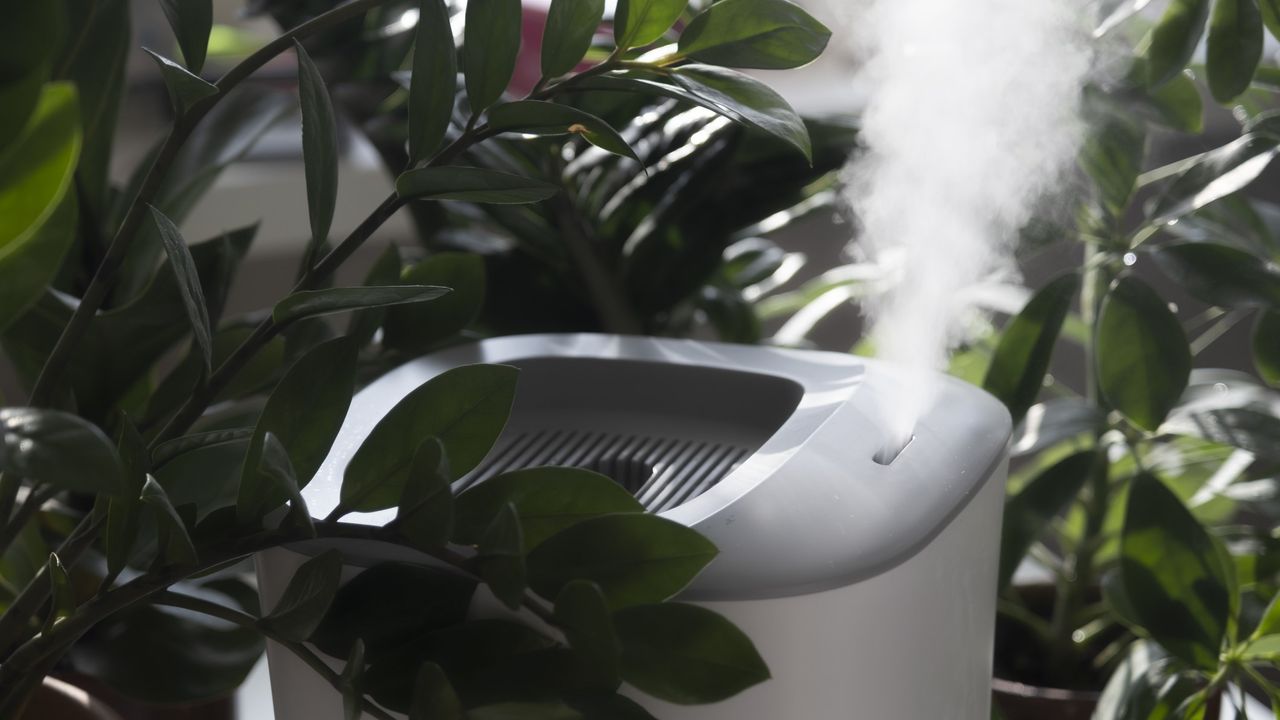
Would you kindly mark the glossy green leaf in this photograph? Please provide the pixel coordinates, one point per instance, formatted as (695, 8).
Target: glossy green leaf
(1022, 357)
(63, 603)
(123, 510)
(582, 614)
(171, 449)
(307, 597)
(524, 711)
(184, 268)
(634, 558)
(1174, 39)
(185, 88)
(571, 25)
(191, 20)
(275, 466)
(1269, 624)
(390, 602)
(686, 654)
(1266, 347)
(305, 411)
(1264, 649)
(746, 100)
(637, 23)
(1235, 47)
(416, 329)
(433, 696)
(536, 117)
(500, 557)
(766, 34)
(1176, 104)
(350, 682)
(547, 500)
(175, 544)
(58, 448)
(1242, 427)
(1028, 513)
(385, 270)
(425, 512)
(465, 408)
(490, 51)
(435, 72)
(319, 149)
(472, 185)
(1143, 359)
(1172, 574)
(314, 303)
(34, 178)
(1215, 175)
(1220, 275)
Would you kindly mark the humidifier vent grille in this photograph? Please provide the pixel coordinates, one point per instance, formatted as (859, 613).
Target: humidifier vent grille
(662, 472)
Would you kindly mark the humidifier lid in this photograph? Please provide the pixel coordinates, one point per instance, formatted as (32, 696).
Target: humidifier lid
(774, 454)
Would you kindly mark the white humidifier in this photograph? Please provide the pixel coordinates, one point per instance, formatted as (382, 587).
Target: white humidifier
(864, 573)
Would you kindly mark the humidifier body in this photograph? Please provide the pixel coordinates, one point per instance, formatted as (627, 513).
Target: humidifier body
(865, 579)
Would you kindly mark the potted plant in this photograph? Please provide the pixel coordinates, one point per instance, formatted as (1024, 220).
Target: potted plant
(159, 443)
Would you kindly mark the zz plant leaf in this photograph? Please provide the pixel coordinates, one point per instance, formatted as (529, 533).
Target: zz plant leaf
(123, 510)
(314, 303)
(185, 88)
(686, 654)
(1022, 357)
(434, 80)
(501, 558)
(489, 54)
(637, 23)
(433, 696)
(634, 558)
(536, 117)
(184, 268)
(319, 150)
(746, 100)
(1142, 353)
(465, 408)
(425, 512)
(571, 24)
(191, 20)
(173, 541)
(61, 449)
(764, 34)
(582, 613)
(1172, 574)
(307, 597)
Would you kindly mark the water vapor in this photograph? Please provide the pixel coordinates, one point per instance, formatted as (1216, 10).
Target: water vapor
(972, 119)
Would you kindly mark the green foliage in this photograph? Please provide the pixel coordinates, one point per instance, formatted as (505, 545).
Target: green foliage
(1143, 360)
(307, 597)
(571, 24)
(1175, 38)
(489, 55)
(319, 149)
(637, 23)
(766, 34)
(473, 185)
(535, 117)
(1028, 512)
(1235, 47)
(185, 88)
(1021, 359)
(191, 21)
(60, 449)
(188, 283)
(431, 93)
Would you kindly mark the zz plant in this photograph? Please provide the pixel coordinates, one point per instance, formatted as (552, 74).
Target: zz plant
(160, 442)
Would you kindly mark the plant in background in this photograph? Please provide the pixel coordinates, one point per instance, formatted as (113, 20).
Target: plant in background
(161, 442)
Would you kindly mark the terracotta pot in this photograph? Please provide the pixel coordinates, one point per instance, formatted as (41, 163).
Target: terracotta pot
(1029, 702)
(62, 700)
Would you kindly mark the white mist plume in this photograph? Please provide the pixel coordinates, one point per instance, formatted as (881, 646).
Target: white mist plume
(971, 118)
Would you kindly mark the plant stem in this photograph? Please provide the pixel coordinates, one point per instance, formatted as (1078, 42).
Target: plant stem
(222, 612)
(103, 279)
(34, 594)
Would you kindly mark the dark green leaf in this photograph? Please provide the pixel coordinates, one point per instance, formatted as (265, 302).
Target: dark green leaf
(766, 34)
(389, 603)
(1022, 357)
(123, 510)
(29, 39)
(313, 303)
(319, 149)
(1215, 175)
(465, 407)
(571, 24)
(490, 51)
(1142, 353)
(305, 412)
(582, 613)
(274, 466)
(185, 89)
(1264, 649)
(1175, 38)
(435, 73)
(1028, 513)
(637, 23)
(433, 696)
(175, 544)
(1172, 574)
(1266, 347)
(415, 330)
(501, 557)
(170, 449)
(536, 117)
(1235, 46)
(1113, 158)
(1053, 421)
(96, 64)
(472, 185)
(634, 558)
(425, 514)
(524, 711)
(547, 500)
(364, 324)
(1220, 275)
(746, 100)
(350, 682)
(307, 597)
(184, 268)
(1140, 683)
(58, 448)
(686, 654)
(34, 178)
(191, 21)
(1242, 427)
(63, 603)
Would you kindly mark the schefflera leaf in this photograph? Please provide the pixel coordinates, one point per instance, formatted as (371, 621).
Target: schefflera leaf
(763, 34)
(1022, 357)
(465, 408)
(1142, 353)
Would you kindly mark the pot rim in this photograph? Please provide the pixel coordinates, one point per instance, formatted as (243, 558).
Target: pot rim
(1040, 692)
